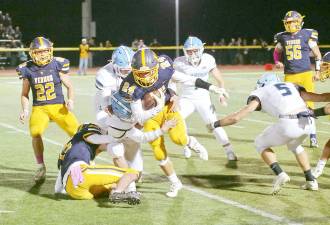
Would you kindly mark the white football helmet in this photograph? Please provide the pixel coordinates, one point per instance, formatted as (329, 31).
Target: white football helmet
(193, 49)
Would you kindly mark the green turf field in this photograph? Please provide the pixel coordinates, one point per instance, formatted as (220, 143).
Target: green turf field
(214, 192)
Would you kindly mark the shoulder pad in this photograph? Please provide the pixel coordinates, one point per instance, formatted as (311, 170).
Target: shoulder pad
(165, 60)
(63, 64)
(89, 129)
(20, 69)
(312, 34)
(278, 36)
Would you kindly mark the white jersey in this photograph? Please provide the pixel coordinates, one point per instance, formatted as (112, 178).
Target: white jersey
(279, 99)
(106, 81)
(201, 71)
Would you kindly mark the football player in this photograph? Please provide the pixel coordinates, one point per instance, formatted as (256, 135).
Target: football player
(89, 141)
(198, 64)
(150, 73)
(293, 47)
(44, 75)
(107, 81)
(325, 73)
(284, 101)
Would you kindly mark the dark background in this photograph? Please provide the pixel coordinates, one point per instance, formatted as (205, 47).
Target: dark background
(121, 21)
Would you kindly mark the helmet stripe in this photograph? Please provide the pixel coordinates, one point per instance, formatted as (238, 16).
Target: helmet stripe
(127, 56)
(143, 57)
(41, 42)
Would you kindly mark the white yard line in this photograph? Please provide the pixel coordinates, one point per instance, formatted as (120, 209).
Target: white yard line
(6, 211)
(189, 188)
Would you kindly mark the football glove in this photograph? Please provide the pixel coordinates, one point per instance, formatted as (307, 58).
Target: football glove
(76, 175)
(218, 90)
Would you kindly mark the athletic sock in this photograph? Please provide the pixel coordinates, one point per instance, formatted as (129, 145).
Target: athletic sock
(276, 168)
(173, 178)
(309, 176)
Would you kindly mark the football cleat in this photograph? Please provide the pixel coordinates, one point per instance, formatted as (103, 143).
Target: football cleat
(279, 181)
(317, 171)
(187, 152)
(310, 185)
(198, 148)
(132, 198)
(174, 189)
(40, 175)
(313, 142)
(41, 51)
(231, 156)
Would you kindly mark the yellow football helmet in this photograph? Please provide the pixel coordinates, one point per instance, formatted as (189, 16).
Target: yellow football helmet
(293, 21)
(41, 51)
(145, 67)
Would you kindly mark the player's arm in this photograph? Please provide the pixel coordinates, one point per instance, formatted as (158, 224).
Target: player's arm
(218, 77)
(144, 137)
(70, 94)
(277, 55)
(323, 111)
(314, 97)
(24, 100)
(316, 52)
(236, 116)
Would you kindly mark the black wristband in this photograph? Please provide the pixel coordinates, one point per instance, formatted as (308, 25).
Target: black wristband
(319, 112)
(199, 83)
(217, 124)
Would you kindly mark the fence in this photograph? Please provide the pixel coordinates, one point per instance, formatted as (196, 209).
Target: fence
(250, 54)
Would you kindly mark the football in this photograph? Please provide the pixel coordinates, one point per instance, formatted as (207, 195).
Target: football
(149, 101)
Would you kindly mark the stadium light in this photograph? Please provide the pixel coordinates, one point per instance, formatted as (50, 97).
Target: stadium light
(177, 40)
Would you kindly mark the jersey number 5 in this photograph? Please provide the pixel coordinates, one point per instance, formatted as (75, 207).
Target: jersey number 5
(283, 89)
(293, 52)
(45, 91)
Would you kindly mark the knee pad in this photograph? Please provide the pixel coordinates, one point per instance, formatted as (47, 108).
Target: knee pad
(116, 150)
(163, 162)
(258, 144)
(299, 149)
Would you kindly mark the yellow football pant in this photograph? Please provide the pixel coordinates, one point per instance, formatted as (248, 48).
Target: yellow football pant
(305, 80)
(98, 179)
(41, 115)
(177, 134)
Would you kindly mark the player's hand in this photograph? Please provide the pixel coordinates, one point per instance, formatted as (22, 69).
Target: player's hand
(218, 90)
(160, 100)
(168, 124)
(76, 175)
(23, 115)
(210, 127)
(316, 76)
(279, 65)
(69, 104)
(223, 101)
(174, 103)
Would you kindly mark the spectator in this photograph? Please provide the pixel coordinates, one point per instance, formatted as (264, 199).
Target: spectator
(135, 43)
(141, 44)
(108, 44)
(83, 57)
(154, 43)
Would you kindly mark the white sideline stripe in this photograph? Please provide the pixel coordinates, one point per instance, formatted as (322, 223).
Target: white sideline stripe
(192, 189)
(241, 206)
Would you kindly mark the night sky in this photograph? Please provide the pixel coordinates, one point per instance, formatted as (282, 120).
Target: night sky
(123, 20)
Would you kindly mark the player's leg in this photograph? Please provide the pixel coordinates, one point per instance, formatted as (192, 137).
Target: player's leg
(207, 111)
(64, 118)
(85, 66)
(100, 178)
(160, 154)
(80, 66)
(302, 159)
(186, 109)
(38, 123)
(273, 136)
(309, 85)
(318, 170)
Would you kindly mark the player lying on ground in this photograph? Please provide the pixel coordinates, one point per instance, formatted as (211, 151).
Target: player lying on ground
(82, 180)
(150, 74)
(284, 101)
(44, 75)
